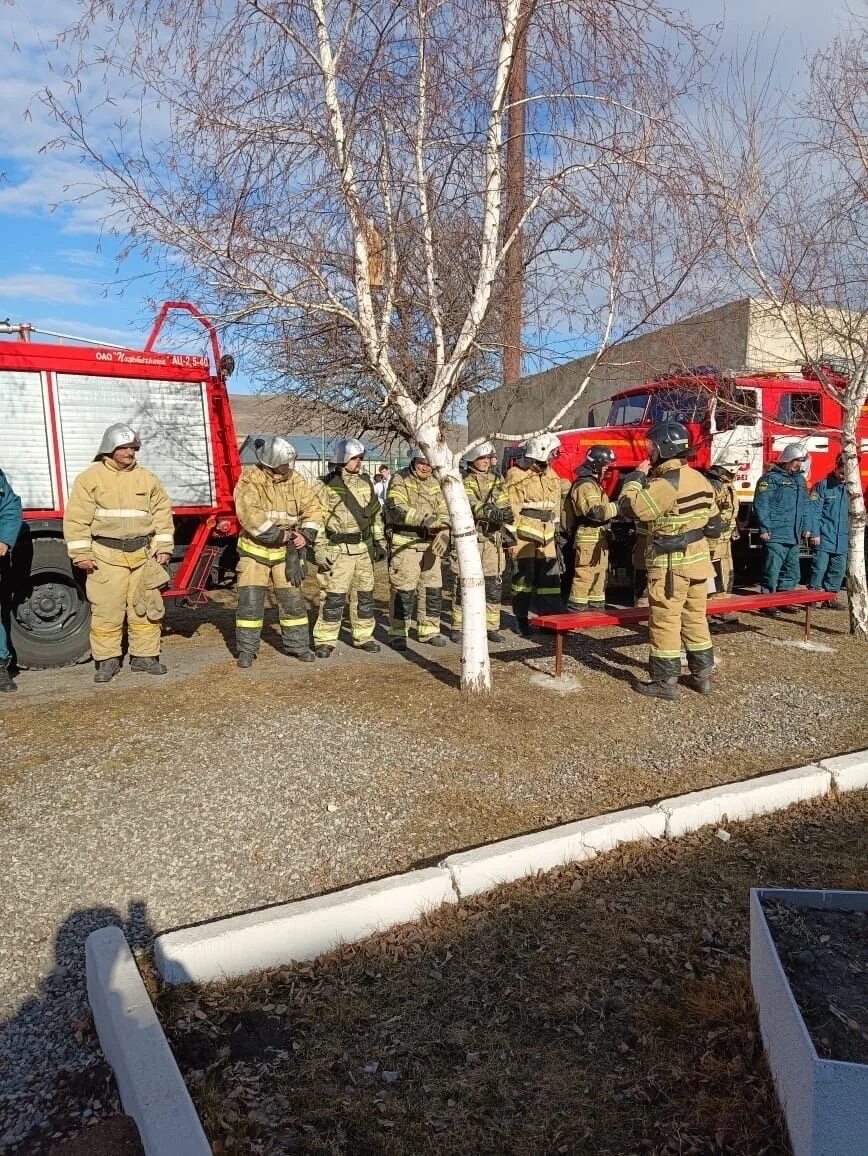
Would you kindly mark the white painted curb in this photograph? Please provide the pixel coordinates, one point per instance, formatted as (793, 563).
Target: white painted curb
(849, 772)
(485, 867)
(743, 800)
(300, 930)
(151, 1087)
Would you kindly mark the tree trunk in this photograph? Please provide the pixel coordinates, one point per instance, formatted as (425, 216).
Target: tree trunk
(475, 662)
(857, 586)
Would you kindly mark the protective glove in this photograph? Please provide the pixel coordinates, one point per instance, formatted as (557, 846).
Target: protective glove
(378, 550)
(321, 559)
(294, 566)
(440, 544)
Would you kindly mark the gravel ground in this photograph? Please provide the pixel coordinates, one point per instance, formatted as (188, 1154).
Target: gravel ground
(154, 804)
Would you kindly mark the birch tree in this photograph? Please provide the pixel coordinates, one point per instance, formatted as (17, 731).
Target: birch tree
(789, 184)
(333, 176)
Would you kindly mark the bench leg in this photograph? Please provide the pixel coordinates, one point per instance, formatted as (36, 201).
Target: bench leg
(559, 654)
(807, 621)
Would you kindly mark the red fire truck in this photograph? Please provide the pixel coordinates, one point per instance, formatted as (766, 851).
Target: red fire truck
(56, 399)
(751, 416)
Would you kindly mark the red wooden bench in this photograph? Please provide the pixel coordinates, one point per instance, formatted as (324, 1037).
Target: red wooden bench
(562, 624)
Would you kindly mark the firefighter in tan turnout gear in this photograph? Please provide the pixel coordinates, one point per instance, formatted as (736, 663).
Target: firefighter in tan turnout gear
(536, 496)
(722, 477)
(352, 540)
(118, 529)
(280, 517)
(490, 505)
(417, 527)
(592, 511)
(677, 506)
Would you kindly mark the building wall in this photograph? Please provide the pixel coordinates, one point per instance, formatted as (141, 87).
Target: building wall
(719, 337)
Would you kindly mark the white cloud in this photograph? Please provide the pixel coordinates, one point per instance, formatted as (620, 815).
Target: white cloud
(82, 258)
(51, 287)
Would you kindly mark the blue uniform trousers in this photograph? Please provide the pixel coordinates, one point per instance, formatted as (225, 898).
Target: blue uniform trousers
(827, 571)
(780, 567)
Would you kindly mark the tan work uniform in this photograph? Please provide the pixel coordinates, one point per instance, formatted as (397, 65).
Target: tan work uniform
(536, 500)
(486, 490)
(415, 572)
(637, 561)
(721, 548)
(265, 501)
(674, 503)
(118, 519)
(352, 522)
(593, 511)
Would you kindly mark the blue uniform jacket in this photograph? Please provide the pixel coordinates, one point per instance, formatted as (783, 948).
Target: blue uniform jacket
(783, 506)
(10, 512)
(831, 514)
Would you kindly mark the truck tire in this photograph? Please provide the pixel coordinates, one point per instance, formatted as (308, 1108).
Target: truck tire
(50, 615)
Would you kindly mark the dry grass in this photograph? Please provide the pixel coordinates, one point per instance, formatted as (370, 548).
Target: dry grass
(603, 1009)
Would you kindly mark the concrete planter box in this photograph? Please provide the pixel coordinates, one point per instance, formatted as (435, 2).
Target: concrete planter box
(825, 1102)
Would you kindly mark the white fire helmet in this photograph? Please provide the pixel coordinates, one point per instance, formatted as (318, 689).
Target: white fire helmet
(273, 452)
(417, 454)
(115, 436)
(794, 452)
(541, 447)
(486, 450)
(729, 462)
(346, 450)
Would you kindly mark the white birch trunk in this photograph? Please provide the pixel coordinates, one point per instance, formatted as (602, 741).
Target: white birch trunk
(857, 586)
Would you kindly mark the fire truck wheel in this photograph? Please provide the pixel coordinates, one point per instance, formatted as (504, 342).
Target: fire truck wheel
(50, 617)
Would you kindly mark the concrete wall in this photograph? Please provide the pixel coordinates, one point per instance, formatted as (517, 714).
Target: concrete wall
(719, 337)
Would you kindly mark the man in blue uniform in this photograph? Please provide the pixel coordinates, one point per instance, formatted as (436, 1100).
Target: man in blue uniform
(10, 524)
(785, 516)
(832, 526)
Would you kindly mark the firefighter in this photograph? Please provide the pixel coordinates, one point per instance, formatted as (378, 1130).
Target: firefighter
(785, 516)
(118, 517)
(489, 503)
(536, 495)
(417, 528)
(351, 541)
(10, 527)
(676, 505)
(722, 477)
(593, 511)
(280, 516)
(831, 531)
(637, 562)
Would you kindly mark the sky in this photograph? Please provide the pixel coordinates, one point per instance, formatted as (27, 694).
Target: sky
(58, 269)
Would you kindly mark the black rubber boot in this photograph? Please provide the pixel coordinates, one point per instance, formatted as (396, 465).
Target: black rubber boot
(455, 636)
(701, 663)
(322, 650)
(106, 669)
(370, 646)
(150, 665)
(301, 655)
(664, 679)
(576, 607)
(398, 643)
(496, 636)
(6, 683)
(435, 640)
(246, 659)
(523, 627)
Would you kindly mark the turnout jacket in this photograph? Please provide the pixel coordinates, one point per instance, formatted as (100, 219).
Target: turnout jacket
(831, 508)
(409, 501)
(783, 507)
(10, 512)
(536, 501)
(487, 490)
(677, 506)
(591, 507)
(107, 502)
(351, 510)
(727, 504)
(265, 501)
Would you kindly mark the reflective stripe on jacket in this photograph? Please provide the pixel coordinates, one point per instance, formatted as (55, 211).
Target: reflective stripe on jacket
(531, 493)
(107, 502)
(676, 499)
(409, 501)
(593, 509)
(727, 504)
(350, 506)
(264, 501)
(486, 490)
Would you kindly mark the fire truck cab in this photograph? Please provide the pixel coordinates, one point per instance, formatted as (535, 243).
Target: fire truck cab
(750, 417)
(56, 400)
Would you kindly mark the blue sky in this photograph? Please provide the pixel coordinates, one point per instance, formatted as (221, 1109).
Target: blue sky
(57, 268)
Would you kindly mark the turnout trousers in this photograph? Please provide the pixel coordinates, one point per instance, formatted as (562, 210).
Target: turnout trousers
(536, 581)
(110, 591)
(721, 560)
(415, 590)
(781, 569)
(253, 581)
(678, 617)
(589, 577)
(493, 565)
(350, 580)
